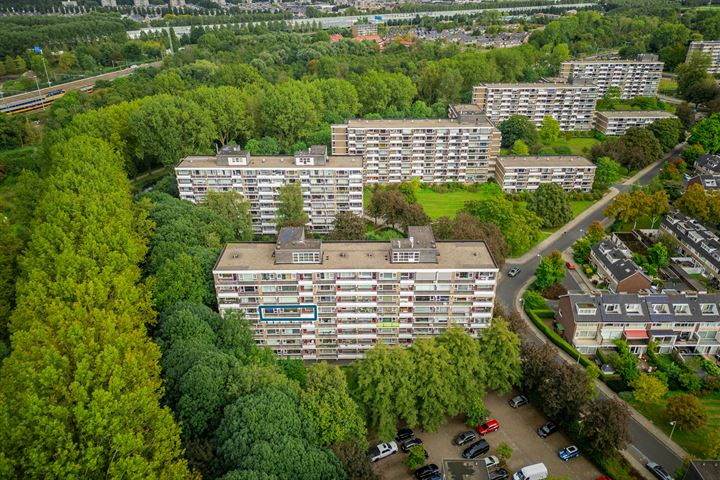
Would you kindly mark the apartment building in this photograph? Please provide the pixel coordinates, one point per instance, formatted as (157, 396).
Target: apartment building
(316, 300)
(695, 241)
(690, 323)
(330, 184)
(434, 150)
(572, 104)
(364, 29)
(634, 78)
(616, 122)
(615, 266)
(527, 173)
(710, 48)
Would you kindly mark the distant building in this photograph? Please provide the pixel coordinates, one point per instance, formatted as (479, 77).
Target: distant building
(703, 470)
(695, 240)
(527, 173)
(434, 150)
(708, 164)
(141, 3)
(465, 112)
(710, 48)
(314, 300)
(571, 104)
(330, 184)
(176, 3)
(707, 182)
(614, 263)
(634, 78)
(335, 38)
(108, 3)
(364, 29)
(616, 122)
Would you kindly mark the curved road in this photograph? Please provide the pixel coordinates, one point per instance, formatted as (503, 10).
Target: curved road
(509, 289)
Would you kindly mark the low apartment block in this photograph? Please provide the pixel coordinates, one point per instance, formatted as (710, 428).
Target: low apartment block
(572, 104)
(316, 300)
(695, 241)
(434, 150)
(616, 122)
(364, 29)
(330, 184)
(689, 323)
(615, 266)
(710, 48)
(527, 173)
(634, 78)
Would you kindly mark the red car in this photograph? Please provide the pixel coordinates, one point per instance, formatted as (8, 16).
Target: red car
(570, 265)
(487, 427)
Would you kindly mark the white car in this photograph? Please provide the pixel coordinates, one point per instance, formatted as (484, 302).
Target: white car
(382, 450)
(491, 461)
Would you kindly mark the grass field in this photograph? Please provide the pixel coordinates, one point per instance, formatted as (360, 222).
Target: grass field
(668, 87)
(578, 145)
(692, 441)
(447, 204)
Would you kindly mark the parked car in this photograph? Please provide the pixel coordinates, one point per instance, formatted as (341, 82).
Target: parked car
(658, 471)
(518, 401)
(487, 427)
(546, 430)
(532, 472)
(405, 447)
(426, 471)
(570, 265)
(382, 450)
(491, 461)
(499, 474)
(465, 437)
(568, 453)
(478, 448)
(513, 272)
(404, 434)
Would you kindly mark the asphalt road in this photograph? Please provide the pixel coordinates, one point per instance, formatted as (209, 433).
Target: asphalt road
(646, 445)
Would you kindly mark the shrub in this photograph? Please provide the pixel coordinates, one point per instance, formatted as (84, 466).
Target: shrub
(536, 317)
(534, 301)
(553, 292)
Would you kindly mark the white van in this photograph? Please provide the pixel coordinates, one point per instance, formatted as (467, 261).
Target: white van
(532, 472)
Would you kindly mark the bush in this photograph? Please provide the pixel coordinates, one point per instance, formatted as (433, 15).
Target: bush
(537, 315)
(710, 368)
(534, 301)
(553, 292)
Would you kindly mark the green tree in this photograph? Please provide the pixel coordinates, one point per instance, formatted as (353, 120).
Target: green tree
(432, 386)
(328, 405)
(550, 271)
(264, 146)
(477, 412)
(519, 226)
(549, 130)
(636, 149)
(608, 172)
(518, 127)
(605, 427)
(290, 111)
(500, 353)
(550, 202)
(415, 458)
(687, 410)
(232, 207)
(290, 212)
(520, 148)
(227, 108)
(347, 226)
(668, 131)
(468, 372)
(181, 278)
(692, 72)
(353, 456)
(504, 452)
(624, 361)
(648, 388)
(707, 134)
(694, 202)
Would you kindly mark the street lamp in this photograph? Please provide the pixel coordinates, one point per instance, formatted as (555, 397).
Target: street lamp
(673, 423)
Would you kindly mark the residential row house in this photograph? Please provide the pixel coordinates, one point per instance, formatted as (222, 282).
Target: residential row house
(616, 122)
(633, 78)
(526, 173)
(329, 184)
(695, 240)
(615, 266)
(313, 300)
(688, 323)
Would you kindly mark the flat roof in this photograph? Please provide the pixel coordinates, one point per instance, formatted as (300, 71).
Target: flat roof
(354, 256)
(614, 61)
(478, 120)
(634, 113)
(536, 85)
(544, 161)
(287, 161)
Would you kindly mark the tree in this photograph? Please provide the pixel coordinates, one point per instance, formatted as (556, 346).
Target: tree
(290, 111)
(504, 452)
(605, 426)
(432, 386)
(519, 226)
(518, 127)
(329, 407)
(707, 134)
(624, 361)
(627, 207)
(354, 458)
(550, 202)
(648, 388)
(550, 271)
(264, 146)
(415, 458)
(692, 72)
(668, 131)
(693, 202)
(520, 148)
(500, 353)
(656, 204)
(347, 226)
(233, 207)
(477, 412)
(608, 172)
(711, 448)
(658, 255)
(290, 212)
(686, 114)
(227, 107)
(466, 227)
(550, 130)
(413, 215)
(687, 410)
(636, 149)
(468, 372)
(181, 278)
(691, 153)
(390, 205)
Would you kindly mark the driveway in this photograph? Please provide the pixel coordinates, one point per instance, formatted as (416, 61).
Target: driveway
(517, 428)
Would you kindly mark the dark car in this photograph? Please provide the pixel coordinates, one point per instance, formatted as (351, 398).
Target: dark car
(478, 448)
(547, 430)
(519, 401)
(499, 474)
(465, 437)
(427, 471)
(405, 447)
(404, 434)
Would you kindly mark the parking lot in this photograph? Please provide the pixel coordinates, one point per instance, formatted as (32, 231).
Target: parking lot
(517, 428)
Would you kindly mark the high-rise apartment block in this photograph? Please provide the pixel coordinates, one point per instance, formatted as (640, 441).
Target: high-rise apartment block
(316, 300)
(330, 184)
(108, 3)
(634, 78)
(710, 48)
(616, 122)
(526, 173)
(434, 150)
(141, 3)
(572, 104)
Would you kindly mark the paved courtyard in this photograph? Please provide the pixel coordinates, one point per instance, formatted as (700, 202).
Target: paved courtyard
(517, 429)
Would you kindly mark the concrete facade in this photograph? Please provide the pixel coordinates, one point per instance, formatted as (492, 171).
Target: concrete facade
(526, 173)
(634, 78)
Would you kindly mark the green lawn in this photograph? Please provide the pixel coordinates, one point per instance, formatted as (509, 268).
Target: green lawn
(692, 441)
(578, 145)
(668, 87)
(437, 205)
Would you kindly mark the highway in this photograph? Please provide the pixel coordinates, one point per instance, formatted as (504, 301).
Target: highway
(327, 22)
(644, 443)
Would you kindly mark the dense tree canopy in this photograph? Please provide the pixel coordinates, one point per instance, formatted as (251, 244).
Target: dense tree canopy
(550, 202)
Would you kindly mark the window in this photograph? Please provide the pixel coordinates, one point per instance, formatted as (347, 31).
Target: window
(612, 308)
(633, 309)
(660, 308)
(306, 257)
(405, 257)
(681, 309)
(708, 309)
(387, 276)
(586, 309)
